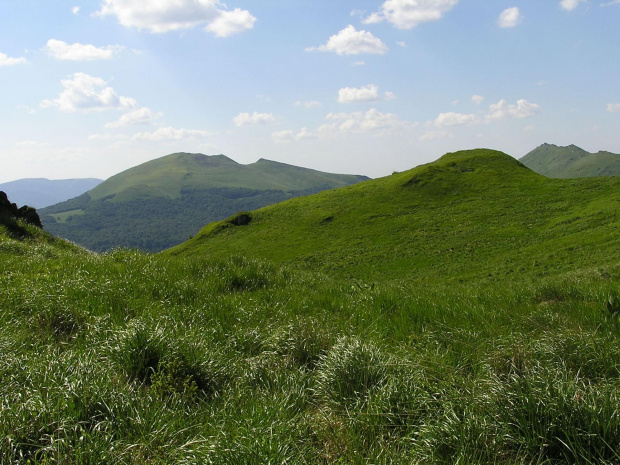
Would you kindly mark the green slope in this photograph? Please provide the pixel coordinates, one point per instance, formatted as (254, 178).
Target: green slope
(476, 214)
(161, 203)
(571, 162)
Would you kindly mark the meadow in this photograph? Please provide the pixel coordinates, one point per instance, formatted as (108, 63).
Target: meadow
(130, 358)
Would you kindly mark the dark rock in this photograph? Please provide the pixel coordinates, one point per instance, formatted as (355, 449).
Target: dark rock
(9, 213)
(241, 219)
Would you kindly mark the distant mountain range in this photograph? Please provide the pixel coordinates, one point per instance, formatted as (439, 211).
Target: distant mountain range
(163, 202)
(41, 192)
(571, 162)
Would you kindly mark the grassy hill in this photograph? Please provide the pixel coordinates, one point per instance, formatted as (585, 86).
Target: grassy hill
(131, 358)
(571, 162)
(470, 215)
(163, 202)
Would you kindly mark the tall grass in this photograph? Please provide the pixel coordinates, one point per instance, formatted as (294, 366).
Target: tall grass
(131, 358)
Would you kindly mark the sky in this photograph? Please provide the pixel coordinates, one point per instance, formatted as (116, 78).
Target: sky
(89, 88)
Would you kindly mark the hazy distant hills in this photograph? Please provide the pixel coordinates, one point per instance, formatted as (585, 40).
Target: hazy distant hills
(163, 202)
(476, 214)
(571, 162)
(41, 192)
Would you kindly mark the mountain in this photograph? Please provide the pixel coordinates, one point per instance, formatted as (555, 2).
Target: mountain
(41, 192)
(161, 203)
(571, 162)
(477, 214)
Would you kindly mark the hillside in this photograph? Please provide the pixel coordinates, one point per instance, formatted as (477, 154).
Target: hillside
(571, 162)
(470, 215)
(163, 202)
(132, 358)
(41, 192)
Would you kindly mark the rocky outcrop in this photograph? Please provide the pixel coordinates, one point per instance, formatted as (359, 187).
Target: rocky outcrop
(9, 214)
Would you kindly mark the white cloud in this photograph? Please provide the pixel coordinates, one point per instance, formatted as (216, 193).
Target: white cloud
(360, 122)
(613, 2)
(455, 119)
(231, 22)
(140, 116)
(570, 5)
(350, 41)
(6, 60)
(369, 93)
(75, 10)
(169, 133)
(406, 14)
(84, 93)
(64, 51)
(402, 44)
(523, 109)
(510, 17)
(170, 15)
(282, 137)
(245, 119)
(477, 99)
(613, 107)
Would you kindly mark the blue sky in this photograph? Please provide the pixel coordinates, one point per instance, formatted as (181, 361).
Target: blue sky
(90, 88)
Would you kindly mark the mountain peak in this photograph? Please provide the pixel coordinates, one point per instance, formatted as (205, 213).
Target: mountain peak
(571, 162)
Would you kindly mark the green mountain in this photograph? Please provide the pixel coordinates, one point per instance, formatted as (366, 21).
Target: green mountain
(477, 214)
(571, 162)
(161, 203)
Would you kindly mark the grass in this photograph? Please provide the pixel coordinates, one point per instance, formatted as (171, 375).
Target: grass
(132, 358)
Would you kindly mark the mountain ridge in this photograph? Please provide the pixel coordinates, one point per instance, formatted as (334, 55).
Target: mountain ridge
(571, 162)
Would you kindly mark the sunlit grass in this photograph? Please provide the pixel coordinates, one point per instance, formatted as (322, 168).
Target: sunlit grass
(133, 358)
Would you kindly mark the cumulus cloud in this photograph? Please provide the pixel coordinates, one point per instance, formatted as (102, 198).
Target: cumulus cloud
(170, 15)
(281, 137)
(231, 22)
(75, 10)
(369, 93)
(510, 17)
(613, 2)
(140, 116)
(344, 124)
(501, 110)
(406, 14)
(455, 119)
(84, 93)
(350, 41)
(477, 99)
(570, 5)
(613, 107)
(170, 133)
(360, 122)
(495, 112)
(6, 60)
(78, 52)
(245, 119)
